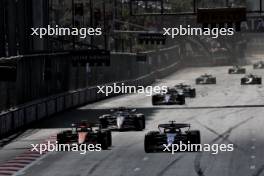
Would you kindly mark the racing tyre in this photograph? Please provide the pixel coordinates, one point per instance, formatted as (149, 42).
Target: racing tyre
(154, 100)
(143, 119)
(197, 81)
(193, 93)
(140, 123)
(214, 81)
(243, 80)
(259, 81)
(148, 142)
(181, 100)
(109, 138)
(60, 138)
(103, 122)
(103, 140)
(194, 137)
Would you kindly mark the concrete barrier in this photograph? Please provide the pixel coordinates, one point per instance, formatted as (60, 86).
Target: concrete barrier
(87, 95)
(30, 114)
(6, 124)
(60, 104)
(51, 107)
(26, 114)
(2, 125)
(68, 101)
(75, 97)
(82, 97)
(93, 94)
(18, 119)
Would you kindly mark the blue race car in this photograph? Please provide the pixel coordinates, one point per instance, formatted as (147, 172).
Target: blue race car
(169, 134)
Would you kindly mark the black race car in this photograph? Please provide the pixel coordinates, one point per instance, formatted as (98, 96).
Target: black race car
(123, 119)
(169, 134)
(251, 79)
(171, 97)
(85, 133)
(259, 65)
(206, 79)
(236, 70)
(187, 90)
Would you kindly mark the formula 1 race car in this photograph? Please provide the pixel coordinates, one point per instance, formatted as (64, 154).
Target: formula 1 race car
(236, 70)
(206, 79)
(251, 79)
(186, 90)
(170, 134)
(123, 119)
(171, 97)
(85, 133)
(259, 65)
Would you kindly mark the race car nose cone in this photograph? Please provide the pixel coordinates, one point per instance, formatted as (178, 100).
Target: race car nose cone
(82, 137)
(167, 98)
(120, 121)
(249, 80)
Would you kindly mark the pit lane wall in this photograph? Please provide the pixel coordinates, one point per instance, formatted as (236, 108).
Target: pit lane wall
(124, 69)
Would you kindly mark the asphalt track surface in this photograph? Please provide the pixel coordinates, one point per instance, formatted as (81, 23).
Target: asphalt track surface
(224, 113)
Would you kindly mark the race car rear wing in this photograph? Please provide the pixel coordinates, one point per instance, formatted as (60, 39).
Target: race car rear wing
(174, 125)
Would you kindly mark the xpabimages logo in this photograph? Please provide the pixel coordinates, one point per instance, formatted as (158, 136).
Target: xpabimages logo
(213, 148)
(51, 147)
(123, 89)
(63, 31)
(213, 32)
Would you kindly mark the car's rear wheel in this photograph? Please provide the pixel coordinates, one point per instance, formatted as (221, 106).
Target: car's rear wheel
(154, 100)
(109, 138)
(60, 138)
(193, 93)
(259, 81)
(197, 81)
(181, 100)
(214, 81)
(140, 123)
(143, 122)
(243, 80)
(103, 122)
(103, 140)
(148, 144)
(194, 137)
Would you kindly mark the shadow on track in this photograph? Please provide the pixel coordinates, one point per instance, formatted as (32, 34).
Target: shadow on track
(65, 119)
